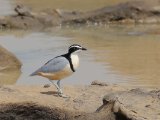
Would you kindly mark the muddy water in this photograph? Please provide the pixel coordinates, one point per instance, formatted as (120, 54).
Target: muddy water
(130, 54)
(82, 5)
(127, 55)
(6, 7)
(34, 49)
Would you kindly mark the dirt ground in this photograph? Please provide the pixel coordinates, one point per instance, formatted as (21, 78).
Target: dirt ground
(96, 101)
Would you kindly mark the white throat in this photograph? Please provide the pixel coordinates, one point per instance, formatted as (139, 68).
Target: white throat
(75, 60)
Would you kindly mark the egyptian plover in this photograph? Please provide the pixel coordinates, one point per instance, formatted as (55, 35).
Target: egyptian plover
(61, 67)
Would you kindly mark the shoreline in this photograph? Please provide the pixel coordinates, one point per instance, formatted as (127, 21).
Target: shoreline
(143, 12)
(96, 101)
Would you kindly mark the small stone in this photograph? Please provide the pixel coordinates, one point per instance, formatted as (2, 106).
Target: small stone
(46, 85)
(96, 82)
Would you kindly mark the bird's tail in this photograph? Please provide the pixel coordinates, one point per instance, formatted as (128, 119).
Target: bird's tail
(34, 73)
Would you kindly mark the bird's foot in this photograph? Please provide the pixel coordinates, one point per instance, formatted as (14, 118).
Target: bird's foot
(63, 95)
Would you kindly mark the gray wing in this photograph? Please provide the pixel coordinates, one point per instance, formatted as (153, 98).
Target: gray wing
(54, 65)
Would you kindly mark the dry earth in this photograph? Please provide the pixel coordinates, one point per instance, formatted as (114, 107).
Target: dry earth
(92, 102)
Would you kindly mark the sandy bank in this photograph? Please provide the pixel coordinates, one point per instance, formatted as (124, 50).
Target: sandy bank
(110, 102)
(8, 61)
(9, 67)
(132, 12)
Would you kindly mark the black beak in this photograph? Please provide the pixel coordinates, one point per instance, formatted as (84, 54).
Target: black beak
(84, 49)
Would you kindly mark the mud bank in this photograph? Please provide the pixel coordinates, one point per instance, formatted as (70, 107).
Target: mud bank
(92, 102)
(9, 67)
(133, 12)
(8, 61)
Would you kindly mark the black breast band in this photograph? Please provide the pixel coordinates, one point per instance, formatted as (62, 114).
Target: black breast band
(68, 57)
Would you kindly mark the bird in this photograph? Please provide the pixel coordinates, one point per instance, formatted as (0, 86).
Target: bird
(61, 67)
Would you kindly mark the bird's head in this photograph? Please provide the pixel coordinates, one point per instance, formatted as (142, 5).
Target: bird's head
(75, 48)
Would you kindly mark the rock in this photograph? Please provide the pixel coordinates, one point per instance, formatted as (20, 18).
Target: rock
(99, 83)
(135, 104)
(47, 86)
(9, 67)
(22, 11)
(8, 61)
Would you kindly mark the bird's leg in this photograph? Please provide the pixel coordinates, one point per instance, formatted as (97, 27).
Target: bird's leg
(61, 92)
(57, 85)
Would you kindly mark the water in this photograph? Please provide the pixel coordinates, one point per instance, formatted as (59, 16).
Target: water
(48, 46)
(6, 7)
(82, 5)
(118, 54)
